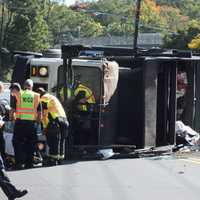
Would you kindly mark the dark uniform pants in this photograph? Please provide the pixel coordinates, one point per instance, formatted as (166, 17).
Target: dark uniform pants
(84, 129)
(5, 183)
(2, 144)
(56, 136)
(24, 142)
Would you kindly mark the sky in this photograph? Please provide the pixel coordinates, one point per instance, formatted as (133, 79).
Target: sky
(70, 2)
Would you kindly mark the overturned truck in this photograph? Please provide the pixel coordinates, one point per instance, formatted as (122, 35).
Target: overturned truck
(135, 97)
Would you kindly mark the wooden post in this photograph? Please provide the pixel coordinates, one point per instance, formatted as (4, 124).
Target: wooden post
(137, 20)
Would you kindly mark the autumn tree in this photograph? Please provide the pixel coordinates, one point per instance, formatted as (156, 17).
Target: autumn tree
(188, 8)
(195, 43)
(183, 37)
(173, 18)
(117, 17)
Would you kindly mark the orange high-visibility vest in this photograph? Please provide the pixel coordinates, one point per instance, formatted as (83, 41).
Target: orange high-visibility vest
(27, 104)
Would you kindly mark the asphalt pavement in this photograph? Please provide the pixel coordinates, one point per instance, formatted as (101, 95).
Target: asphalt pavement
(160, 178)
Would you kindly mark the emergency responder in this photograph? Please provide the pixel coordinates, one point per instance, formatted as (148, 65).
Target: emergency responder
(8, 188)
(80, 108)
(61, 94)
(26, 109)
(83, 112)
(3, 111)
(84, 104)
(55, 124)
(86, 98)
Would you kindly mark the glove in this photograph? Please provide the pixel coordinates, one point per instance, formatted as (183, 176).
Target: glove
(1, 122)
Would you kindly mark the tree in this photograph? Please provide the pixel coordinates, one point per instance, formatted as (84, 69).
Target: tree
(117, 17)
(188, 8)
(182, 38)
(66, 24)
(28, 30)
(195, 43)
(150, 17)
(173, 18)
(4, 53)
(173, 3)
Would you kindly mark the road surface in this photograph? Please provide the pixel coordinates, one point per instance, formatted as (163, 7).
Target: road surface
(126, 179)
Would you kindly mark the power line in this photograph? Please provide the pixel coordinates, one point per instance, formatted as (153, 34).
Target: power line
(125, 19)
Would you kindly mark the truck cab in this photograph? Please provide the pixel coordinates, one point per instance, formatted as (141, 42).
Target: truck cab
(43, 72)
(41, 68)
(140, 109)
(100, 77)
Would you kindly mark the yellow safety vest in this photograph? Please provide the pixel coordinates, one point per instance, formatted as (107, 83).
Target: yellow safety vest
(88, 95)
(26, 105)
(54, 108)
(69, 92)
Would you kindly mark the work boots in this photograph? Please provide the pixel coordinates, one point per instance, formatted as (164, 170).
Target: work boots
(8, 188)
(18, 194)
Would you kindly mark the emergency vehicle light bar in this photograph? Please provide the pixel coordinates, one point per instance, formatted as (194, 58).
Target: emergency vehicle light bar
(93, 54)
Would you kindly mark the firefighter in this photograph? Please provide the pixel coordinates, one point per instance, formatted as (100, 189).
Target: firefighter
(83, 110)
(61, 94)
(55, 124)
(80, 108)
(85, 96)
(26, 110)
(8, 188)
(73, 93)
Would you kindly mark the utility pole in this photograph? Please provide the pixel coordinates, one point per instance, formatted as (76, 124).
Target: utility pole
(137, 21)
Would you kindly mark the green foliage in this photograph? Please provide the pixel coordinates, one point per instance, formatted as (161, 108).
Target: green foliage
(122, 7)
(182, 38)
(35, 25)
(187, 7)
(150, 17)
(184, 20)
(23, 28)
(195, 43)
(30, 35)
(62, 21)
(118, 17)
(173, 3)
(173, 18)
(28, 29)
